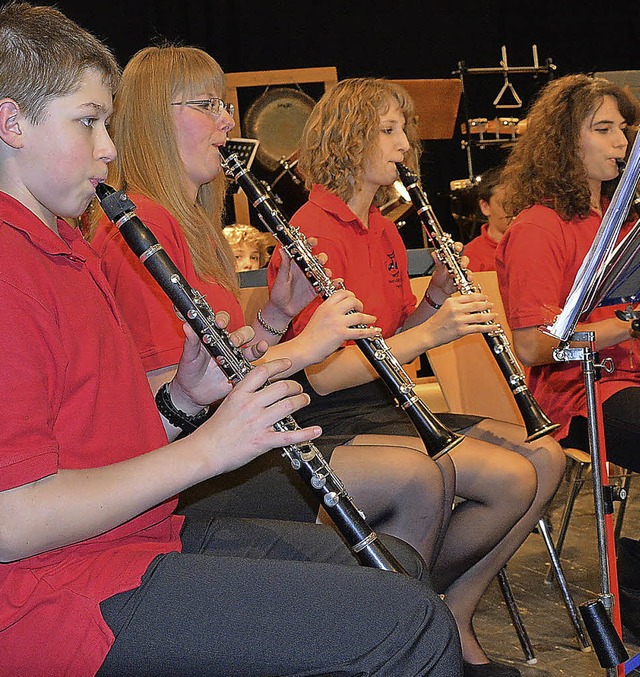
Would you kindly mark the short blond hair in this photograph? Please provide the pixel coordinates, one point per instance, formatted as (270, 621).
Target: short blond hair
(240, 233)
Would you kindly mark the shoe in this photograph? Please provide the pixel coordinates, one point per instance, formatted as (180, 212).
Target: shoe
(490, 669)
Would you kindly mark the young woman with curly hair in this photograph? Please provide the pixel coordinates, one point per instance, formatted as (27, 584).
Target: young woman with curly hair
(558, 180)
(351, 142)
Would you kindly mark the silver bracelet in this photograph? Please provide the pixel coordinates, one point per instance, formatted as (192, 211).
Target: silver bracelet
(272, 330)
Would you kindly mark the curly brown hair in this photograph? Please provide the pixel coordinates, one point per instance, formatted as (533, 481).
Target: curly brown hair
(342, 131)
(545, 167)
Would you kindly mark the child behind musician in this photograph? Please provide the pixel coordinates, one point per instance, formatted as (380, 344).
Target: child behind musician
(98, 573)
(250, 246)
(351, 142)
(481, 251)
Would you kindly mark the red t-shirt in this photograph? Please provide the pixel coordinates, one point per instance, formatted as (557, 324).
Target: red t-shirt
(481, 251)
(156, 328)
(537, 262)
(76, 397)
(372, 262)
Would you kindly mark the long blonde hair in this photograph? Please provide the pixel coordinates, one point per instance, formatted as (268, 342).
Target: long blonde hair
(148, 159)
(343, 130)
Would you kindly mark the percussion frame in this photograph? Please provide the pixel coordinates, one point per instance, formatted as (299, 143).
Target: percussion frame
(328, 75)
(463, 71)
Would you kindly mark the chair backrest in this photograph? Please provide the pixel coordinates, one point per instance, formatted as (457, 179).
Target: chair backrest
(469, 376)
(252, 299)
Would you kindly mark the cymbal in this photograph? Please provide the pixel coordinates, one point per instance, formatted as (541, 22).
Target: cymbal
(276, 118)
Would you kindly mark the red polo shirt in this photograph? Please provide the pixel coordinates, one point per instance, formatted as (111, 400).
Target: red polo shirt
(537, 262)
(372, 261)
(76, 396)
(481, 251)
(156, 328)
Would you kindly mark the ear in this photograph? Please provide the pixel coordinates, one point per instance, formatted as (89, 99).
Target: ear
(484, 207)
(10, 130)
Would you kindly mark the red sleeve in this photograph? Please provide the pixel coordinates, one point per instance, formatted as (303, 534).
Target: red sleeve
(32, 368)
(531, 262)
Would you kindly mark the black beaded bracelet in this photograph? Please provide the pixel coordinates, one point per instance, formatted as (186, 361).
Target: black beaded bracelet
(178, 418)
(431, 302)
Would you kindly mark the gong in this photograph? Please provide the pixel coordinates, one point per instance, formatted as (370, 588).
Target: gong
(276, 118)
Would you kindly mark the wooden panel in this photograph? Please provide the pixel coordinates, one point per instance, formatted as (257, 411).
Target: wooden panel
(437, 103)
(291, 76)
(469, 376)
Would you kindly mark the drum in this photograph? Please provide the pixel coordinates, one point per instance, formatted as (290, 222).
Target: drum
(276, 118)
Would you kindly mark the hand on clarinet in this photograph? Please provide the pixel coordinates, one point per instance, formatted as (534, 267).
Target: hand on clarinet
(242, 426)
(459, 316)
(333, 323)
(292, 292)
(199, 381)
(442, 285)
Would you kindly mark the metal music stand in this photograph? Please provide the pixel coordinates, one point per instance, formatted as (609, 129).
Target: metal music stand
(609, 275)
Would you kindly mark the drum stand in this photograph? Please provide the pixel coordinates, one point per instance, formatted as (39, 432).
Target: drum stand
(601, 616)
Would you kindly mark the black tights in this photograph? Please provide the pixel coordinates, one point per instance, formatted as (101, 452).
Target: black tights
(621, 414)
(505, 485)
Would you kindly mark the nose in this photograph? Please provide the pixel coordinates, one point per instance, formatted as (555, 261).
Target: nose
(105, 148)
(621, 140)
(226, 122)
(403, 143)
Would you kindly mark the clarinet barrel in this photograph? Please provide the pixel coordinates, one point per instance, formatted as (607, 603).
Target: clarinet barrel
(535, 420)
(305, 458)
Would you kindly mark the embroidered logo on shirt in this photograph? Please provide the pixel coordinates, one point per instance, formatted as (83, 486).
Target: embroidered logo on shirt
(392, 268)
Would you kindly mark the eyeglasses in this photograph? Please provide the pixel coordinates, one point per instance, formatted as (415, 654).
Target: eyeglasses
(214, 106)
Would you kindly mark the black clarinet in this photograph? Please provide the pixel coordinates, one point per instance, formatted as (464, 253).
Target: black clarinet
(305, 458)
(535, 420)
(437, 438)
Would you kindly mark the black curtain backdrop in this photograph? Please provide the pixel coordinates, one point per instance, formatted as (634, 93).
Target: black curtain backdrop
(386, 39)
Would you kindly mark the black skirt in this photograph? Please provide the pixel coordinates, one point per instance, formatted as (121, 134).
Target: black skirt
(269, 488)
(365, 409)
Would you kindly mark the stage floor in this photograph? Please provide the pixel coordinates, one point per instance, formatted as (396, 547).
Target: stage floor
(541, 606)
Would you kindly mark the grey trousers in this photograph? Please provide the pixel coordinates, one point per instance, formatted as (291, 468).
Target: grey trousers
(269, 598)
